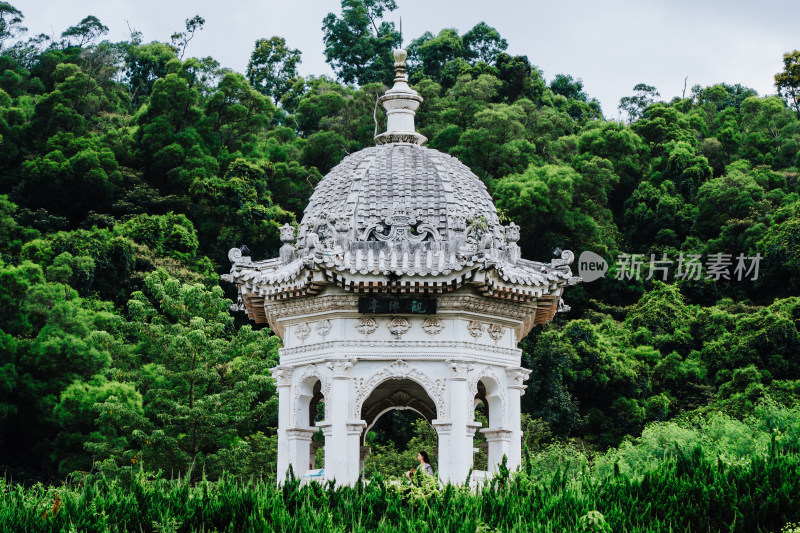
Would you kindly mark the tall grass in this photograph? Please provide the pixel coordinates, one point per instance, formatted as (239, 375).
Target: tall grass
(716, 474)
(685, 492)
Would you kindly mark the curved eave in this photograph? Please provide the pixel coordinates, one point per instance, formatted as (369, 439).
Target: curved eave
(525, 282)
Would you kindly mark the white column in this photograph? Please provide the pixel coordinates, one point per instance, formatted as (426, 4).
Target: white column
(283, 379)
(443, 429)
(499, 440)
(514, 391)
(354, 430)
(462, 429)
(335, 427)
(299, 444)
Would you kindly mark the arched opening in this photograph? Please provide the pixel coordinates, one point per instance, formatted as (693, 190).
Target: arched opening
(492, 440)
(305, 437)
(480, 448)
(398, 413)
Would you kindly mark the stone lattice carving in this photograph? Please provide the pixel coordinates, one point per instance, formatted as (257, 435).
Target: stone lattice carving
(302, 331)
(366, 326)
(432, 326)
(323, 327)
(398, 325)
(400, 370)
(475, 328)
(496, 331)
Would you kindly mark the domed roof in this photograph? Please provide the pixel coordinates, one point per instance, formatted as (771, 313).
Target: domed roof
(398, 218)
(394, 185)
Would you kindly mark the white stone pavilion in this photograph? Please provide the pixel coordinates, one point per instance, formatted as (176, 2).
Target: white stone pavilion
(401, 290)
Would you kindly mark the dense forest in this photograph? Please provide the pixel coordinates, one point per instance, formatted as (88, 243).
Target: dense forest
(128, 169)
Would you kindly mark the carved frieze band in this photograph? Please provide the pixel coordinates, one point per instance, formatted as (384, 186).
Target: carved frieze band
(410, 345)
(281, 309)
(398, 326)
(476, 329)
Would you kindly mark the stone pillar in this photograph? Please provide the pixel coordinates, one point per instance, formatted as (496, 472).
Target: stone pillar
(283, 379)
(443, 429)
(462, 429)
(516, 377)
(354, 430)
(299, 441)
(338, 441)
(499, 441)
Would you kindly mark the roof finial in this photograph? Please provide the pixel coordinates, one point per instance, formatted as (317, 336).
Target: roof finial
(400, 103)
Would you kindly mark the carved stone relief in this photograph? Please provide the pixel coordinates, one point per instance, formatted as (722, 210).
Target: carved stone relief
(340, 367)
(366, 326)
(323, 327)
(475, 328)
(516, 376)
(398, 325)
(302, 331)
(282, 375)
(432, 326)
(460, 369)
(496, 331)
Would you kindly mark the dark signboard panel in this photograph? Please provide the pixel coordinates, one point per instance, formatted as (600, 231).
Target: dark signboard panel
(375, 305)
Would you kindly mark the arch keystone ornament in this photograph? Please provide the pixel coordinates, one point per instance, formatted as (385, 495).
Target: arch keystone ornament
(394, 231)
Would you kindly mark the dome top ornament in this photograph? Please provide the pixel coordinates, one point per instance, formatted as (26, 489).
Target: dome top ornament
(400, 103)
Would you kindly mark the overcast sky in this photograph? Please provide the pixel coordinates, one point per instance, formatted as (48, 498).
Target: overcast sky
(610, 44)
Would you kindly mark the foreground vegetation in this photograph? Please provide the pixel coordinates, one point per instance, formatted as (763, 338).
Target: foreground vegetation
(711, 473)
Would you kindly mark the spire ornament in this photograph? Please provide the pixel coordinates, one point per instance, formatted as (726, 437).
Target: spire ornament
(400, 103)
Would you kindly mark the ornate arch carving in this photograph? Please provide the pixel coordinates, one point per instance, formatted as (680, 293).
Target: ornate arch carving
(308, 372)
(400, 370)
(487, 372)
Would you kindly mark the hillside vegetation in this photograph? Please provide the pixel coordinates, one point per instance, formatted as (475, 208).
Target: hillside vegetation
(128, 169)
